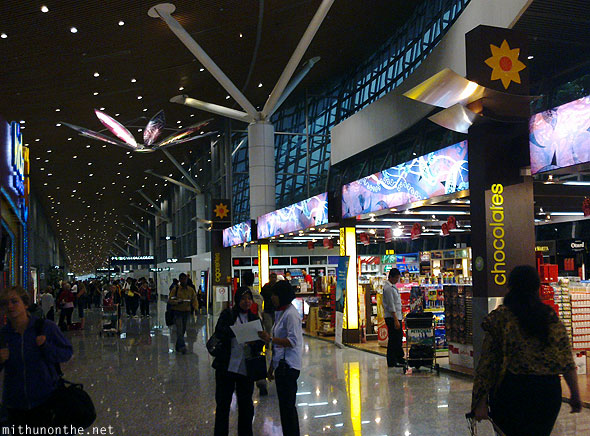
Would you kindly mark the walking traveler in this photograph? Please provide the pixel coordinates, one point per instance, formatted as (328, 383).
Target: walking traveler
(29, 352)
(392, 312)
(268, 313)
(183, 298)
(525, 349)
(287, 351)
(144, 299)
(230, 367)
(65, 302)
(47, 304)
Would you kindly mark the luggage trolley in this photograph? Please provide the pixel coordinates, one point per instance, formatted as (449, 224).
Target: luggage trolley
(420, 342)
(111, 318)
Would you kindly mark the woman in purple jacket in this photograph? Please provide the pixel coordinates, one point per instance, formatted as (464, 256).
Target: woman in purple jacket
(29, 352)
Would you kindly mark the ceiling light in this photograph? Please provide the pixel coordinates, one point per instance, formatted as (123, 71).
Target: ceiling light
(227, 97)
(88, 146)
(145, 110)
(241, 35)
(95, 93)
(181, 88)
(133, 80)
(121, 23)
(75, 157)
(530, 57)
(260, 85)
(44, 9)
(89, 163)
(139, 97)
(73, 30)
(58, 125)
(90, 175)
(3, 35)
(48, 151)
(577, 183)
(201, 69)
(96, 74)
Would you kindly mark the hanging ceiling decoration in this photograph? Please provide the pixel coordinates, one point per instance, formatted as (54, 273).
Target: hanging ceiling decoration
(153, 130)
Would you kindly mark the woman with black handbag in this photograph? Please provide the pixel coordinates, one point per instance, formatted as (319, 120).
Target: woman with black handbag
(230, 363)
(28, 356)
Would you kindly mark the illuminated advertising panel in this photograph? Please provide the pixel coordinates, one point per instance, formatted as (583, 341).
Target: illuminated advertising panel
(238, 234)
(438, 173)
(299, 216)
(560, 137)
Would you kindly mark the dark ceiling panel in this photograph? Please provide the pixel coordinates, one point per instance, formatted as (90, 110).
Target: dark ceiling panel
(46, 67)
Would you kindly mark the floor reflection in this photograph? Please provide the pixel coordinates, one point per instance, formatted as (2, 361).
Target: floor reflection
(141, 386)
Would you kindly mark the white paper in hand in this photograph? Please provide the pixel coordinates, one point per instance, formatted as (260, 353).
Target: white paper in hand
(247, 332)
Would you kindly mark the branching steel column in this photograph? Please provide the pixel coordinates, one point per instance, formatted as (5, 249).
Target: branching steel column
(171, 180)
(184, 172)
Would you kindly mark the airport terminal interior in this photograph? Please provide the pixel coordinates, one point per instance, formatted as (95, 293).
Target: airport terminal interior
(305, 217)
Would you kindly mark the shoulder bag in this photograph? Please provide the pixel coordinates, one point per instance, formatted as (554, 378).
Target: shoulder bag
(70, 404)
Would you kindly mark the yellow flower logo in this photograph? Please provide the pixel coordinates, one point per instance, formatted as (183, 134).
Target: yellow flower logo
(505, 64)
(221, 211)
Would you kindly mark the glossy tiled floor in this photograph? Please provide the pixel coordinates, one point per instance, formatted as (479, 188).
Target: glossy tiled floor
(141, 387)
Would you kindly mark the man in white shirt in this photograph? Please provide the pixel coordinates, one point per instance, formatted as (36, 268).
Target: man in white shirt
(47, 303)
(392, 312)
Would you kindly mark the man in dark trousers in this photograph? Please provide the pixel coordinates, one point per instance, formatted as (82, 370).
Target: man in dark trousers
(392, 312)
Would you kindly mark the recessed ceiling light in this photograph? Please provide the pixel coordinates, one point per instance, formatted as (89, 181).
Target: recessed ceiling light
(133, 80)
(3, 35)
(201, 69)
(145, 110)
(49, 174)
(95, 93)
(75, 157)
(22, 121)
(73, 30)
(88, 146)
(260, 85)
(89, 163)
(116, 115)
(139, 97)
(69, 139)
(58, 125)
(181, 88)
(140, 130)
(101, 108)
(241, 35)
(48, 151)
(44, 9)
(90, 175)
(121, 23)
(227, 97)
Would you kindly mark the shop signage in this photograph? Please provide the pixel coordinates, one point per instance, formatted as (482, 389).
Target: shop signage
(390, 252)
(171, 260)
(578, 245)
(220, 260)
(107, 270)
(341, 274)
(17, 159)
(157, 270)
(497, 224)
(558, 136)
(132, 260)
(308, 213)
(545, 247)
(239, 234)
(438, 173)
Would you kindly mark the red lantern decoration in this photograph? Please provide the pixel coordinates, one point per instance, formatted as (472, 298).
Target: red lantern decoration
(445, 229)
(310, 245)
(388, 235)
(416, 231)
(364, 237)
(586, 206)
(451, 223)
(328, 243)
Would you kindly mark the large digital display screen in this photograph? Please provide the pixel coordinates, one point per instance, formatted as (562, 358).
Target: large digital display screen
(560, 137)
(299, 216)
(438, 173)
(238, 234)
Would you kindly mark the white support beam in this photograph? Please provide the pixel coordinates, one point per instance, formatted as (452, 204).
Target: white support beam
(293, 84)
(162, 217)
(121, 248)
(142, 229)
(212, 108)
(171, 180)
(296, 57)
(150, 201)
(164, 11)
(133, 229)
(180, 168)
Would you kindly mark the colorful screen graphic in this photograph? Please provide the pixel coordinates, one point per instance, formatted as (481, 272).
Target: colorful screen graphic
(238, 234)
(560, 137)
(438, 173)
(298, 216)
